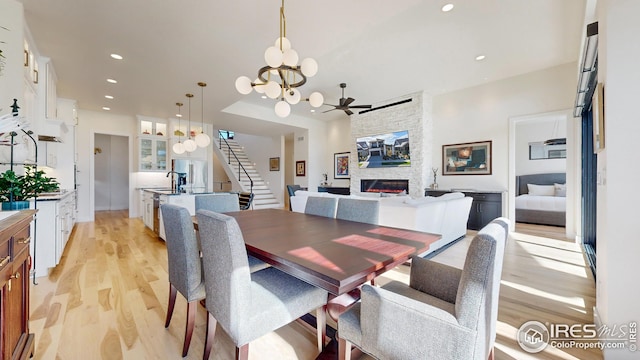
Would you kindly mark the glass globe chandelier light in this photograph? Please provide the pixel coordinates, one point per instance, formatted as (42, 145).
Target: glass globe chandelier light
(202, 139)
(178, 147)
(190, 144)
(282, 75)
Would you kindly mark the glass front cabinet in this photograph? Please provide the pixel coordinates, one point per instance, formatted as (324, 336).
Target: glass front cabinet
(152, 144)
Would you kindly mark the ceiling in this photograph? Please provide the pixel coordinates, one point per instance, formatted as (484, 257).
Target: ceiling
(381, 49)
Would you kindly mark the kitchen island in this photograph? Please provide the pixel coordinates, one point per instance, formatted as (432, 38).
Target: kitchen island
(153, 198)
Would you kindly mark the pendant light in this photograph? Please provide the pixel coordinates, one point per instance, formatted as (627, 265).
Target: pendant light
(202, 139)
(178, 147)
(189, 144)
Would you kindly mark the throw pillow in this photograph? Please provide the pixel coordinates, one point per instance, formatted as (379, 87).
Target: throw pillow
(560, 190)
(541, 190)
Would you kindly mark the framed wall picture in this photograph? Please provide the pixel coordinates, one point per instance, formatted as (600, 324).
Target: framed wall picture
(467, 158)
(341, 166)
(300, 168)
(274, 164)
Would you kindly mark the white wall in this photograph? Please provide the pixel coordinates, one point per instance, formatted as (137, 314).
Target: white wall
(89, 124)
(617, 238)
(259, 149)
(482, 113)
(11, 80)
(539, 130)
(338, 141)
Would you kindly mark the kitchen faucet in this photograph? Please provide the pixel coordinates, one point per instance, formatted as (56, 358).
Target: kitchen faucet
(180, 180)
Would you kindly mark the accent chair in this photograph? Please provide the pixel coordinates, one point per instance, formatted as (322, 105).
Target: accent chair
(445, 312)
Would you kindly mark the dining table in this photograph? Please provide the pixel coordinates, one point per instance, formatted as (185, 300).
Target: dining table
(336, 255)
(333, 254)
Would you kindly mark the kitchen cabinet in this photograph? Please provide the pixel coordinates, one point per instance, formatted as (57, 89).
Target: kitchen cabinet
(152, 155)
(15, 341)
(55, 220)
(486, 206)
(147, 210)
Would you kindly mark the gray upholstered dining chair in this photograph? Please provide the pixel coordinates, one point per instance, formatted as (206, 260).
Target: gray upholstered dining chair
(224, 202)
(445, 312)
(321, 206)
(249, 305)
(185, 266)
(365, 211)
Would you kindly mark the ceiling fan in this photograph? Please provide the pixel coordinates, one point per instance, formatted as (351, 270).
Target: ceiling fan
(345, 104)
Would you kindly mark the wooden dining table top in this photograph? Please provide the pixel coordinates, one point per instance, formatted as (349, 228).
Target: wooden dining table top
(336, 255)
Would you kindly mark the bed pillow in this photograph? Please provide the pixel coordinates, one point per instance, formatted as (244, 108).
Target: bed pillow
(541, 190)
(560, 190)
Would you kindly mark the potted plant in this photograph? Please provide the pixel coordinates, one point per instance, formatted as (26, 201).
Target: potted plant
(16, 190)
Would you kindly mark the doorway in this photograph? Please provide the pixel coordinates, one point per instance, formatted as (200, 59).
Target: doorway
(520, 162)
(111, 172)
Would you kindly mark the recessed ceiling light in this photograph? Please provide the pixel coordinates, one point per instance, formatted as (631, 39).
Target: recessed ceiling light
(116, 56)
(106, 108)
(178, 115)
(480, 57)
(108, 97)
(112, 81)
(313, 110)
(264, 96)
(447, 7)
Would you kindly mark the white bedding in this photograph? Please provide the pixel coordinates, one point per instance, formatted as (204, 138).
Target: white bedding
(546, 203)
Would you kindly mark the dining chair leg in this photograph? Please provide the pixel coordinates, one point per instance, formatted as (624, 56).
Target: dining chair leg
(344, 349)
(172, 303)
(211, 332)
(191, 320)
(242, 352)
(321, 326)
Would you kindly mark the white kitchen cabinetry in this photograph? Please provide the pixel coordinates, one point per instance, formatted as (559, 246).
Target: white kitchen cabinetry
(152, 144)
(147, 210)
(55, 219)
(152, 153)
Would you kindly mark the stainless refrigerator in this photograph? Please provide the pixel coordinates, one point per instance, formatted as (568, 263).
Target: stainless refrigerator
(196, 174)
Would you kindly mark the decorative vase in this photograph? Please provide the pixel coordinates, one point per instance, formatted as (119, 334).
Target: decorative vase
(15, 205)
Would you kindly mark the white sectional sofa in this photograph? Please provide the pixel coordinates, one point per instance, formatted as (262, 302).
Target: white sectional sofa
(446, 215)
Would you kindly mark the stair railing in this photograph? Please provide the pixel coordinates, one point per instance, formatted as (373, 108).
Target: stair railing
(231, 152)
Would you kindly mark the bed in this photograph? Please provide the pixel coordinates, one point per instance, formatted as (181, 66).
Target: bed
(546, 204)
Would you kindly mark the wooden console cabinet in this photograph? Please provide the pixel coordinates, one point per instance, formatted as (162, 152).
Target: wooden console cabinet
(486, 206)
(15, 263)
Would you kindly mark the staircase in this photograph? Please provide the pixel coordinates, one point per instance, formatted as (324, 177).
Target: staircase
(263, 197)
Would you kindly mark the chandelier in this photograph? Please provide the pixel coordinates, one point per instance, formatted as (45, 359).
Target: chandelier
(282, 75)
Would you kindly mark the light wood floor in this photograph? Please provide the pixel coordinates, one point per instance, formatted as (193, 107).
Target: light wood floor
(108, 297)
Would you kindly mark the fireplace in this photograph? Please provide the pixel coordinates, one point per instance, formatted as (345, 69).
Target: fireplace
(386, 186)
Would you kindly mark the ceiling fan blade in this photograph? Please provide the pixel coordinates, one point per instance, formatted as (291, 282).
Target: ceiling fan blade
(360, 107)
(348, 101)
(348, 112)
(329, 110)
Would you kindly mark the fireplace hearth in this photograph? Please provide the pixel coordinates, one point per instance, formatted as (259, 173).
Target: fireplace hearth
(384, 186)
